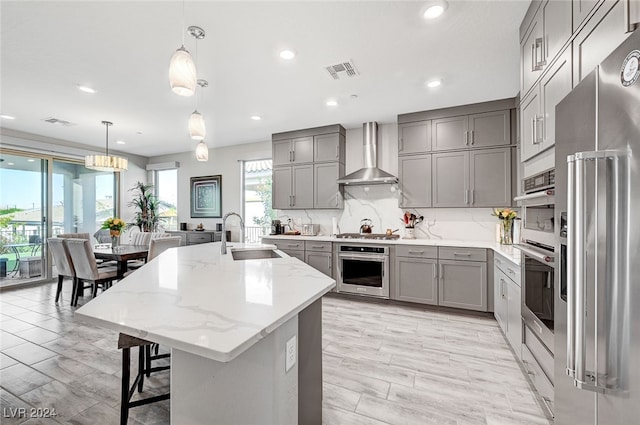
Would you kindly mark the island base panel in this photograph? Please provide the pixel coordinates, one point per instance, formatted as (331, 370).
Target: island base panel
(251, 389)
(310, 365)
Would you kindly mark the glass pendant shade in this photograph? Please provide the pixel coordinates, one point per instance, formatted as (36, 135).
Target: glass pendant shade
(105, 163)
(197, 129)
(182, 73)
(202, 151)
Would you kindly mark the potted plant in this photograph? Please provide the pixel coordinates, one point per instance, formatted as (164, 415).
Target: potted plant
(147, 207)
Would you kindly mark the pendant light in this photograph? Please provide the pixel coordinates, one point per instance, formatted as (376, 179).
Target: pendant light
(106, 162)
(197, 129)
(182, 69)
(202, 151)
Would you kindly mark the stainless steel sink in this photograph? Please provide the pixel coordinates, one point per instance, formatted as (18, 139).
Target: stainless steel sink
(253, 254)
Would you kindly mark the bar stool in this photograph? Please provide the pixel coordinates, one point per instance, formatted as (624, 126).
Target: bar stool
(125, 343)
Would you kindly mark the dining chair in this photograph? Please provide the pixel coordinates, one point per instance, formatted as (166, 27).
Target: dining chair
(141, 238)
(75, 236)
(87, 269)
(64, 265)
(158, 246)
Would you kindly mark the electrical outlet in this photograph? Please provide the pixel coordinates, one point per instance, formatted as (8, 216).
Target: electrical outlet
(290, 354)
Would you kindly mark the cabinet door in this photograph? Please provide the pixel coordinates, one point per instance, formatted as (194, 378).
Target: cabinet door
(302, 193)
(531, 55)
(326, 192)
(601, 35)
(320, 261)
(450, 133)
(490, 177)
(450, 179)
(415, 181)
(326, 147)
(281, 188)
(302, 150)
(529, 117)
(514, 318)
(581, 9)
(554, 86)
(416, 280)
(463, 284)
(281, 152)
(293, 253)
(490, 129)
(557, 26)
(500, 298)
(414, 137)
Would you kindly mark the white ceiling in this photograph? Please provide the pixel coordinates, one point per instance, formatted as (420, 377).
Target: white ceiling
(122, 49)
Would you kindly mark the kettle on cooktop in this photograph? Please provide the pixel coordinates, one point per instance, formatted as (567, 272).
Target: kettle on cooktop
(365, 226)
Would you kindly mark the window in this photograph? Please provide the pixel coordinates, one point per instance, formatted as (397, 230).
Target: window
(167, 193)
(257, 199)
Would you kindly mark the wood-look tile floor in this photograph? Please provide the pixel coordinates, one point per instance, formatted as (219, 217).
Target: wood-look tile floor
(383, 364)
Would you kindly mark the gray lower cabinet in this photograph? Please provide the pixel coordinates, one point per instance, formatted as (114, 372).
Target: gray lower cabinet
(191, 237)
(514, 317)
(500, 304)
(463, 284)
(508, 302)
(326, 192)
(321, 261)
(414, 173)
(416, 280)
(414, 137)
(318, 254)
(490, 177)
(450, 179)
(292, 187)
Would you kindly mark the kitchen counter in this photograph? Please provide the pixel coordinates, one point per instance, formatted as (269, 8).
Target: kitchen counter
(510, 252)
(227, 323)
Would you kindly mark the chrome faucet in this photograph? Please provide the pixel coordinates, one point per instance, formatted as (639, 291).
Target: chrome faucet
(223, 247)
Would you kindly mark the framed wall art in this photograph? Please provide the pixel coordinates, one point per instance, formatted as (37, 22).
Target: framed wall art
(206, 197)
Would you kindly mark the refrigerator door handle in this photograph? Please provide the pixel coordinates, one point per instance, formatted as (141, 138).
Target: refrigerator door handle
(571, 254)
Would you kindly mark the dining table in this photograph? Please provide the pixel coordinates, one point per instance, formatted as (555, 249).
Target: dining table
(121, 254)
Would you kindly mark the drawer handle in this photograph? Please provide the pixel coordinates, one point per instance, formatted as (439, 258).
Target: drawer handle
(292, 245)
(416, 252)
(317, 246)
(462, 254)
(511, 271)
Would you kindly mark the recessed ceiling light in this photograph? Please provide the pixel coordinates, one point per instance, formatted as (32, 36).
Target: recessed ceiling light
(433, 10)
(434, 83)
(332, 102)
(86, 89)
(7, 117)
(10, 163)
(120, 142)
(31, 160)
(287, 54)
(256, 117)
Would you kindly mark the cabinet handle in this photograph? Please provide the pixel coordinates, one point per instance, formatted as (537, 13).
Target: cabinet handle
(539, 119)
(441, 271)
(538, 45)
(416, 252)
(629, 26)
(401, 142)
(337, 150)
(533, 57)
(533, 130)
(435, 272)
(337, 199)
(472, 134)
(472, 191)
(293, 204)
(511, 271)
(292, 245)
(316, 246)
(466, 197)
(466, 138)
(290, 159)
(462, 254)
(293, 156)
(290, 204)
(329, 262)
(502, 288)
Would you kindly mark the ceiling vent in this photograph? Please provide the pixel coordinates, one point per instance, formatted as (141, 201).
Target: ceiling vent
(64, 123)
(343, 69)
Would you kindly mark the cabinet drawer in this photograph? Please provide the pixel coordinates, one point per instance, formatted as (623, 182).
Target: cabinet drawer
(543, 357)
(464, 254)
(195, 238)
(508, 268)
(294, 253)
(417, 251)
(537, 376)
(289, 245)
(317, 246)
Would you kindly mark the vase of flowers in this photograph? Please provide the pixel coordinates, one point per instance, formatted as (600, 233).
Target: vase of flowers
(116, 227)
(506, 217)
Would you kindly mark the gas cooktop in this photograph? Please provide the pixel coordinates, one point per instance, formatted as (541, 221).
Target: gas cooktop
(378, 236)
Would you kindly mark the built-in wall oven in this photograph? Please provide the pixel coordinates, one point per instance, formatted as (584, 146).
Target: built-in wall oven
(538, 207)
(363, 270)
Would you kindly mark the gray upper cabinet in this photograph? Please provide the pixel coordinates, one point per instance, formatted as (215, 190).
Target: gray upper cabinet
(554, 86)
(414, 137)
(557, 26)
(281, 188)
(327, 193)
(604, 31)
(281, 152)
(450, 133)
(416, 280)
(531, 55)
(529, 127)
(302, 183)
(328, 147)
(490, 129)
(463, 284)
(490, 177)
(450, 179)
(581, 9)
(302, 150)
(415, 181)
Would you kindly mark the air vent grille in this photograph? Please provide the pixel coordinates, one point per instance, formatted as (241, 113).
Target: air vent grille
(344, 69)
(52, 120)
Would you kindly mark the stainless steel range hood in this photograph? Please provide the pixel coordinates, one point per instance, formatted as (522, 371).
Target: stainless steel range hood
(370, 174)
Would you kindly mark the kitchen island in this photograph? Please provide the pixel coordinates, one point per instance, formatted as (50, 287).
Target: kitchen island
(245, 335)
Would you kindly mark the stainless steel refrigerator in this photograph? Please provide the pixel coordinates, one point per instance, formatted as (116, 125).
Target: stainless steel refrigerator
(597, 312)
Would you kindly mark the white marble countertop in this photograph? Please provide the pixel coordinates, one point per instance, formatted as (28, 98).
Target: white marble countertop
(194, 299)
(510, 252)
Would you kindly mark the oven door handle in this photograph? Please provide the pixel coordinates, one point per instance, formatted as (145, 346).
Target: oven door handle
(540, 256)
(378, 258)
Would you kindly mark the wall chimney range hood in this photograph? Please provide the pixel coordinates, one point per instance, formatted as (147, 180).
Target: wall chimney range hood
(370, 174)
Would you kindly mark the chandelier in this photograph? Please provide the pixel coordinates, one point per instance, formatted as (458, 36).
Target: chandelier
(106, 162)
